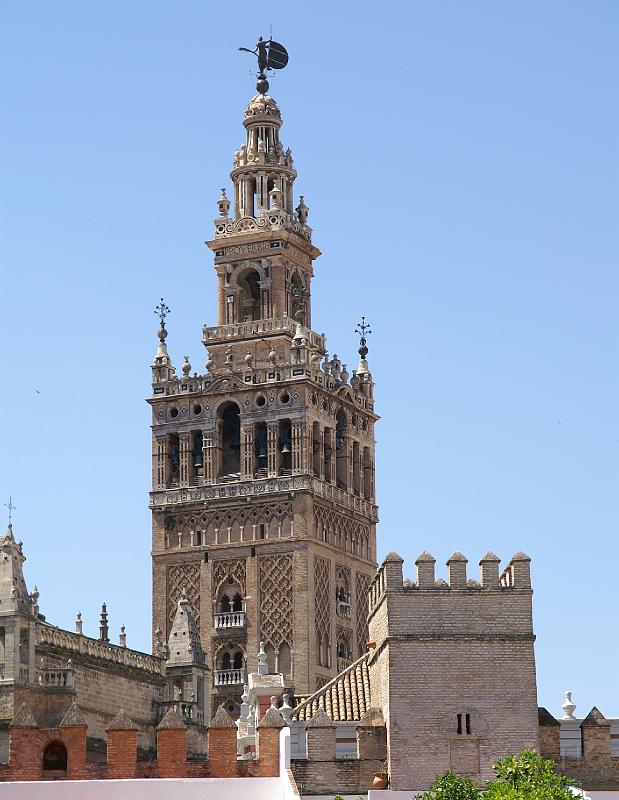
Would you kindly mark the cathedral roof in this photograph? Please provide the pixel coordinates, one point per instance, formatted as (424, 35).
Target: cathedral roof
(345, 698)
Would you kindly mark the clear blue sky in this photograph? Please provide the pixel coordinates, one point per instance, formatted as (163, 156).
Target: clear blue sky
(461, 164)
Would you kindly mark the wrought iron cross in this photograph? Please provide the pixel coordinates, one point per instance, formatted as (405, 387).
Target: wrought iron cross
(11, 508)
(162, 312)
(363, 329)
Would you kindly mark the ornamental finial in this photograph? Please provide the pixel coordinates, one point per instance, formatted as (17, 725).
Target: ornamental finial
(270, 55)
(11, 508)
(162, 311)
(363, 329)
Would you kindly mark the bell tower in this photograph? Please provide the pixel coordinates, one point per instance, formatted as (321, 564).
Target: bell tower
(263, 508)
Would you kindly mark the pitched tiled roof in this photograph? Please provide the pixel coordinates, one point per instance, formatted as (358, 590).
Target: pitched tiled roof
(345, 698)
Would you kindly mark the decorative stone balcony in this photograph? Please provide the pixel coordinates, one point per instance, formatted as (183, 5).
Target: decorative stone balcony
(264, 487)
(229, 619)
(188, 711)
(229, 677)
(259, 327)
(56, 678)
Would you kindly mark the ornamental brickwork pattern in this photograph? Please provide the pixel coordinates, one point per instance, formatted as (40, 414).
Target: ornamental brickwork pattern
(225, 569)
(322, 597)
(362, 610)
(276, 606)
(185, 576)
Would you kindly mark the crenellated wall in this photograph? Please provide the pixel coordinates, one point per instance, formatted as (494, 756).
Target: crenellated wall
(452, 666)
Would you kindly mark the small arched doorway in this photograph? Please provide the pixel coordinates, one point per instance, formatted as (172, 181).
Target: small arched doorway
(55, 757)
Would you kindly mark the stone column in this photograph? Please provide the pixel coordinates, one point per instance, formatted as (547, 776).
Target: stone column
(247, 452)
(184, 441)
(159, 462)
(299, 449)
(330, 440)
(272, 448)
(207, 456)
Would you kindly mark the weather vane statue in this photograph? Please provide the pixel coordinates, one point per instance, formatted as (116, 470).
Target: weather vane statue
(270, 55)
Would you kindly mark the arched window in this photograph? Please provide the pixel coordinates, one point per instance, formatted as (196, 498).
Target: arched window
(230, 441)
(260, 435)
(285, 447)
(249, 296)
(226, 661)
(237, 602)
(341, 450)
(197, 460)
(55, 757)
(238, 660)
(297, 300)
(174, 457)
(224, 604)
(316, 448)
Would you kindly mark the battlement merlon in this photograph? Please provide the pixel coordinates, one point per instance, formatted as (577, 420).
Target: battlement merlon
(432, 608)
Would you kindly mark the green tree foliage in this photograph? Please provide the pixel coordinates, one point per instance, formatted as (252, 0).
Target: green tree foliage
(449, 786)
(527, 776)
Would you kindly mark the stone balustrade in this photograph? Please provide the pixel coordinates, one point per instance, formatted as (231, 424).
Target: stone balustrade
(187, 710)
(241, 330)
(229, 619)
(229, 677)
(75, 642)
(263, 486)
(56, 678)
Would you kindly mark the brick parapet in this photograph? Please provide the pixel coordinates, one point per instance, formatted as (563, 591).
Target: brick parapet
(172, 753)
(122, 753)
(222, 752)
(268, 752)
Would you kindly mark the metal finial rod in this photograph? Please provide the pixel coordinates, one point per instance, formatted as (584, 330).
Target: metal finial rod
(11, 508)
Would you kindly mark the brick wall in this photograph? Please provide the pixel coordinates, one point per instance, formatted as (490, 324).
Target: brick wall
(452, 658)
(347, 776)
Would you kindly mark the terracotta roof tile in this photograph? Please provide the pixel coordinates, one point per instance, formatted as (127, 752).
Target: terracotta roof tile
(344, 698)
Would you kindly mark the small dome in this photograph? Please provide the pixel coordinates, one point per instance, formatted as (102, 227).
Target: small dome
(262, 106)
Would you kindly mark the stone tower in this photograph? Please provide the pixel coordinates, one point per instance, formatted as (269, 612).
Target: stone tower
(263, 467)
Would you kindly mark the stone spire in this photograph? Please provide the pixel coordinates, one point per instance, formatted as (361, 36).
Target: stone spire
(185, 648)
(13, 591)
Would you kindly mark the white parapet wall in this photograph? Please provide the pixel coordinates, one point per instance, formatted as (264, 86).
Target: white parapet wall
(150, 789)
